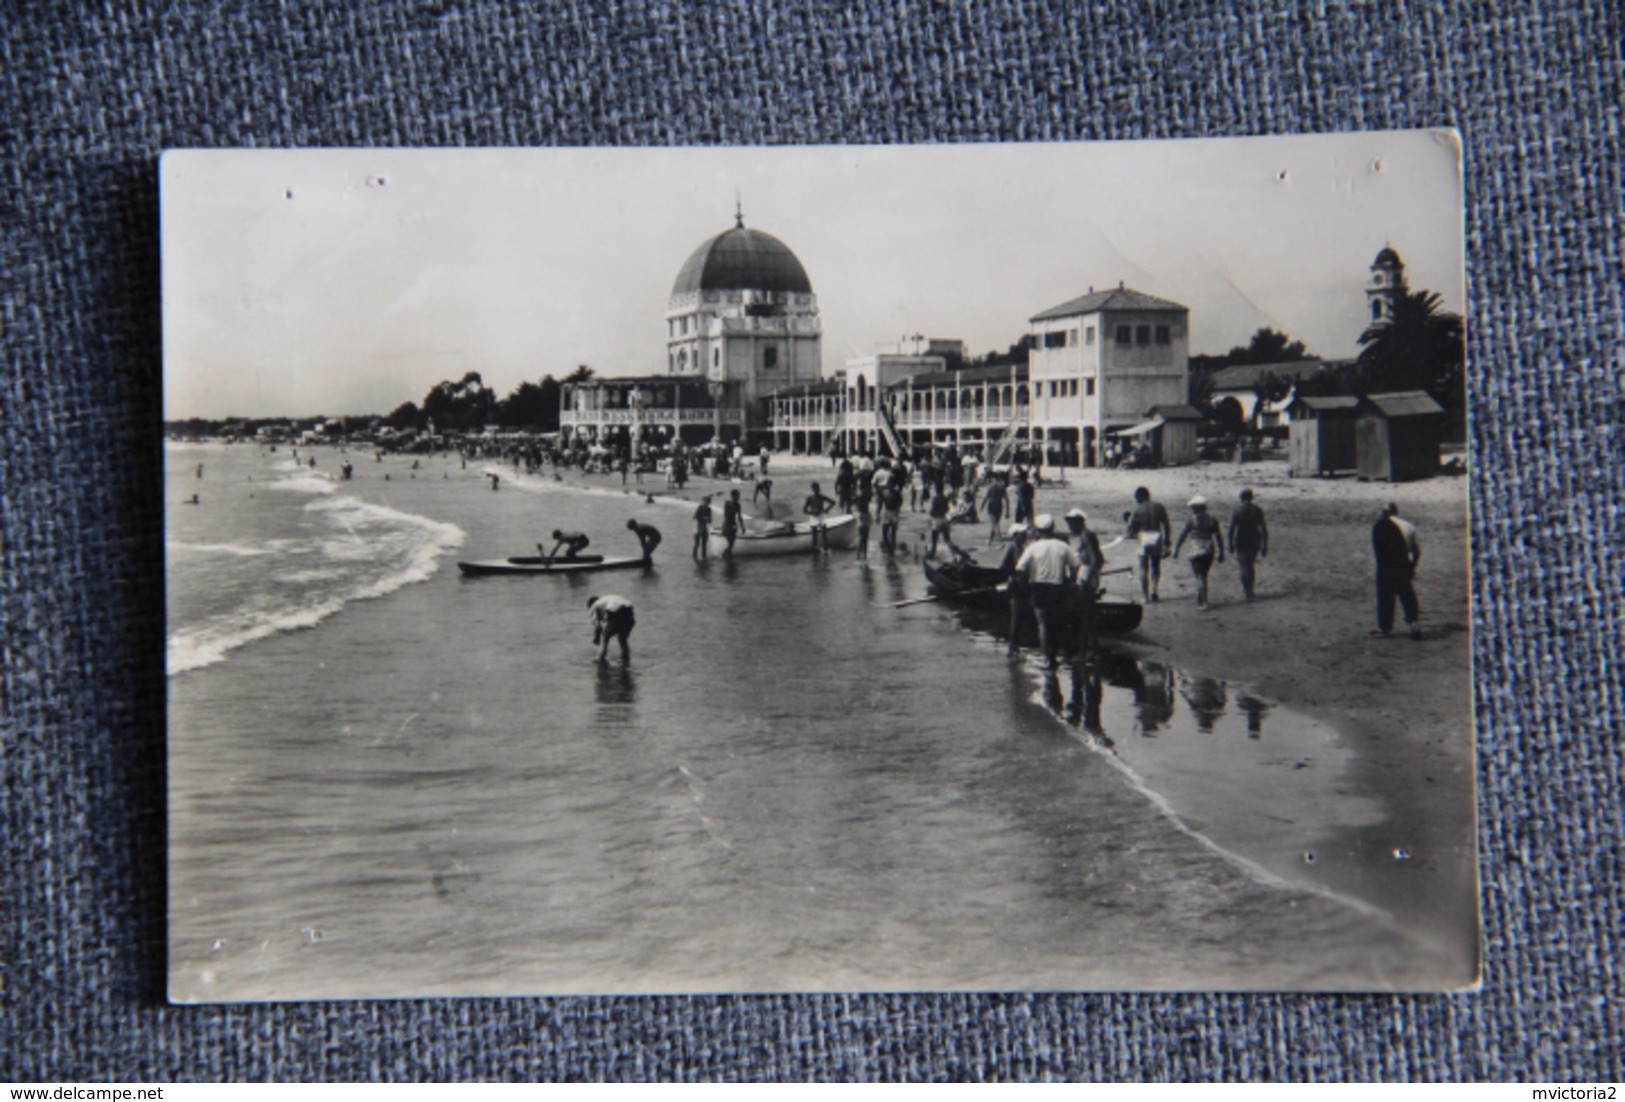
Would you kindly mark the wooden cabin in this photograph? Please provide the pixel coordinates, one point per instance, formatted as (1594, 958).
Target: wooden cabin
(1323, 435)
(1176, 439)
(1397, 436)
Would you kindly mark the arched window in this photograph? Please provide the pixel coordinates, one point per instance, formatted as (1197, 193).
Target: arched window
(682, 361)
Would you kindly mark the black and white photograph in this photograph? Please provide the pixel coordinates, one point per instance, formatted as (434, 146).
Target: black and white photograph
(984, 567)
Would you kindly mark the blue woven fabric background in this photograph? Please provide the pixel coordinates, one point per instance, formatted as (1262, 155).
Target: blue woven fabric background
(90, 94)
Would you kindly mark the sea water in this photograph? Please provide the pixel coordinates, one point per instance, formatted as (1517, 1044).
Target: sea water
(388, 779)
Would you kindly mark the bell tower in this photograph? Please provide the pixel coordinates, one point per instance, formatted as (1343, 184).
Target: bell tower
(1386, 285)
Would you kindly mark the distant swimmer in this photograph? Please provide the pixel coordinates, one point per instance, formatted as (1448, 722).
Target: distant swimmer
(347, 471)
(573, 543)
(764, 489)
(313, 462)
(612, 618)
(648, 538)
(200, 470)
(495, 479)
(195, 500)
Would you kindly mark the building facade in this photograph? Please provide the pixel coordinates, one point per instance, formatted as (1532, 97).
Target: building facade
(1098, 363)
(741, 322)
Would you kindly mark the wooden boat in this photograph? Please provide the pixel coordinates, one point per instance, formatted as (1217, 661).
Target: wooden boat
(560, 566)
(971, 585)
(540, 560)
(785, 538)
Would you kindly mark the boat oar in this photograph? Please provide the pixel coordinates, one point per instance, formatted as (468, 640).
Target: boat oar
(962, 593)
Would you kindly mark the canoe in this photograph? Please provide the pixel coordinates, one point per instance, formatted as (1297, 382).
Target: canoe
(840, 532)
(509, 566)
(973, 586)
(542, 560)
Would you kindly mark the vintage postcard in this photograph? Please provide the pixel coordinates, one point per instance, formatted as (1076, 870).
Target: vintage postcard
(987, 567)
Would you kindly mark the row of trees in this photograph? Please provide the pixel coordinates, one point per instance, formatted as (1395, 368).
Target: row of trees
(468, 405)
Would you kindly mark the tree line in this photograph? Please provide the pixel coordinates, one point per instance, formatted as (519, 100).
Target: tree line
(468, 405)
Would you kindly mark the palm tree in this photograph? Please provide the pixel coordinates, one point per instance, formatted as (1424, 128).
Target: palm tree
(1418, 347)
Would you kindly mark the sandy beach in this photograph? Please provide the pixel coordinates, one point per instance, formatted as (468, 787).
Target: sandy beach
(1404, 706)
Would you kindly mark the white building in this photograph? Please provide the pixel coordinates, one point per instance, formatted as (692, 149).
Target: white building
(1098, 363)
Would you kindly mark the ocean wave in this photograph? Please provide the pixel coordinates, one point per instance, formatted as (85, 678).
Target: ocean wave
(241, 549)
(408, 548)
(304, 484)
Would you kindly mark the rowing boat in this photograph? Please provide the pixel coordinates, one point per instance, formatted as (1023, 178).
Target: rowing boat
(840, 533)
(973, 586)
(560, 566)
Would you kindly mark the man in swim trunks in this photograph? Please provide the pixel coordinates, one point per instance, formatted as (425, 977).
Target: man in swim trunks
(733, 521)
(815, 507)
(612, 619)
(1149, 524)
(572, 542)
(648, 538)
(702, 530)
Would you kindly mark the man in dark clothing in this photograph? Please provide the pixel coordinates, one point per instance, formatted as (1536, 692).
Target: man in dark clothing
(1397, 551)
(648, 538)
(1249, 539)
(1020, 600)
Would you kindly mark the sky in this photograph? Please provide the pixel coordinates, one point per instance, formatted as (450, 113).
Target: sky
(306, 282)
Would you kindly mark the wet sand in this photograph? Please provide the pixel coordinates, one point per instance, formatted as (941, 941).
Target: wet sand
(1403, 706)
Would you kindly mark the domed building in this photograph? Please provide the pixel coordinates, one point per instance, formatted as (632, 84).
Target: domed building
(741, 322)
(742, 315)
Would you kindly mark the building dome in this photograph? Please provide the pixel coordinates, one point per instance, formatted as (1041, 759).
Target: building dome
(1387, 259)
(741, 259)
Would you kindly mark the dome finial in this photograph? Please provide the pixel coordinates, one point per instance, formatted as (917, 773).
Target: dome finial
(739, 212)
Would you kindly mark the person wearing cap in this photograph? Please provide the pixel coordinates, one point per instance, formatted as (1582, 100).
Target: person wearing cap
(1398, 552)
(1049, 566)
(1249, 539)
(1087, 590)
(611, 619)
(1148, 524)
(1207, 539)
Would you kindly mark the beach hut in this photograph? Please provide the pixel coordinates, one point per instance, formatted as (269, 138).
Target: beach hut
(1397, 436)
(1177, 436)
(1323, 434)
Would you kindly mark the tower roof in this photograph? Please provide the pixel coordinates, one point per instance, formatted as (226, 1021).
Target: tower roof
(1387, 259)
(742, 259)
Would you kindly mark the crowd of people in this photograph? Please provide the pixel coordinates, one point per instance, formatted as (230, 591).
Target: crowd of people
(1051, 572)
